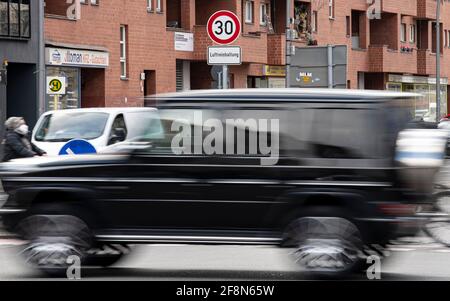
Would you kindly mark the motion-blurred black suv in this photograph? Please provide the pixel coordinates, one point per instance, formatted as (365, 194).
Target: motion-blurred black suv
(313, 170)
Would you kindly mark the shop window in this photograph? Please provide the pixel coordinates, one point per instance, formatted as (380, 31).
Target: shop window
(15, 18)
(70, 100)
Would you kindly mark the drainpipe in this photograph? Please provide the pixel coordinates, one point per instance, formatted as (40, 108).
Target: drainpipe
(438, 60)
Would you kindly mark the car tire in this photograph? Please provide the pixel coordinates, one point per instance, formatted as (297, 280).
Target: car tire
(324, 245)
(106, 255)
(54, 242)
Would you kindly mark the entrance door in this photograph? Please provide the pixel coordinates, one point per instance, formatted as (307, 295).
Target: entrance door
(21, 92)
(150, 82)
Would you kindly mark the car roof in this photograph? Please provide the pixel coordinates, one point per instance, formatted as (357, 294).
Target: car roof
(108, 110)
(282, 94)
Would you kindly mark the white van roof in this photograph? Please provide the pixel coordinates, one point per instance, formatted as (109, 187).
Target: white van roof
(104, 110)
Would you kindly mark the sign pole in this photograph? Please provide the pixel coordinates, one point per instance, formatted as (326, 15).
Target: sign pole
(55, 102)
(225, 77)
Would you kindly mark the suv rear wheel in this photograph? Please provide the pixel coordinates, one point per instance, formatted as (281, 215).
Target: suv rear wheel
(325, 246)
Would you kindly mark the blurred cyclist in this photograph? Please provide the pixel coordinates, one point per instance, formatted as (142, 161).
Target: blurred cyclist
(16, 143)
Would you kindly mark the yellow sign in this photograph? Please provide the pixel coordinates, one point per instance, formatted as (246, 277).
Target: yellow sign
(274, 70)
(56, 85)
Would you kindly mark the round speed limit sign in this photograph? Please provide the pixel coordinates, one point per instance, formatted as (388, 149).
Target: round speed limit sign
(224, 27)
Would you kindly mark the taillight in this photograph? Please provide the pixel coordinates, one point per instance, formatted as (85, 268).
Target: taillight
(397, 209)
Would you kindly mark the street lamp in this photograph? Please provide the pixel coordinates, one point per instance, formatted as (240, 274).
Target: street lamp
(438, 60)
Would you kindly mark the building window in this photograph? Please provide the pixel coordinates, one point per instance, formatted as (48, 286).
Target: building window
(448, 44)
(249, 11)
(15, 18)
(314, 20)
(445, 38)
(149, 5)
(159, 7)
(403, 32)
(331, 9)
(94, 2)
(412, 33)
(123, 51)
(348, 26)
(263, 14)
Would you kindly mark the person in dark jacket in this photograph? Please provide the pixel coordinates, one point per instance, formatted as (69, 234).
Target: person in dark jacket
(16, 142)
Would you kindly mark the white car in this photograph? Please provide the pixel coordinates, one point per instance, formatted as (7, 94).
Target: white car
(101, 127)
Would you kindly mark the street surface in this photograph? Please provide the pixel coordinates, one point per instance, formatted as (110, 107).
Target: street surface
(425, 261)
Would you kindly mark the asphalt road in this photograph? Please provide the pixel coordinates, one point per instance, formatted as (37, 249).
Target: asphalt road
(414, 261)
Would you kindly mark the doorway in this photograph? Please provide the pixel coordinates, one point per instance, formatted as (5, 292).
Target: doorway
(150, 82)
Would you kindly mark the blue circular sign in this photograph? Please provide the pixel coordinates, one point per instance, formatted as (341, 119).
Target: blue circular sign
(77, 147)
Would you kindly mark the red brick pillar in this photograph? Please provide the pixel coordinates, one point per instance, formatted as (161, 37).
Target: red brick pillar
(364, 31)
(188, 14)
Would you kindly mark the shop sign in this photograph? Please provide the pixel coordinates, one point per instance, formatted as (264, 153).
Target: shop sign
(274, 70)
(76, 57)
(184, 41)
(409, 79)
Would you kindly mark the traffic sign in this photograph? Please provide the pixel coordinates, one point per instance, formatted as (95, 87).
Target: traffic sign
(56, 85)
(224, 27)
(77, 147)
(224, 55)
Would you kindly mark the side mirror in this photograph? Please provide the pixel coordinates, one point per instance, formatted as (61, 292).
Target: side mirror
(118, 135)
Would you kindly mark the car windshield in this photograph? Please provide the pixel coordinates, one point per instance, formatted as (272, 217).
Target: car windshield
(63, 127)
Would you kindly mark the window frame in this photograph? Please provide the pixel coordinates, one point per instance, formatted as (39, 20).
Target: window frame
(314, 21)
(403, 32)
(412, 33)
(159, 6)
(263, 14)
(124, 51)
(19, 20)
(331, 10)
(149, 6)
(249, 13)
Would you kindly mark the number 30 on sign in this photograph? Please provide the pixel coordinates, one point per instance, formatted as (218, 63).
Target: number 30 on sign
(224, 27)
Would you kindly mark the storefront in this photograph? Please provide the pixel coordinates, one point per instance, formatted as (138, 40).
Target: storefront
(426, 86)
(83, 73)
(273, 77)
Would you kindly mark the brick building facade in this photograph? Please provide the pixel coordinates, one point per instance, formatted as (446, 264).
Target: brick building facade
(120, 50)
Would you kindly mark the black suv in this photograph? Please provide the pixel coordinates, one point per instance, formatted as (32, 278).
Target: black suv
(313, 170)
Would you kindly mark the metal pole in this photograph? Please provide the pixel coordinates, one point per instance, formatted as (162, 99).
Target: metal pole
(438, 60)
(330, 67)
(288, 43)
(225, 77)
(41, 64)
